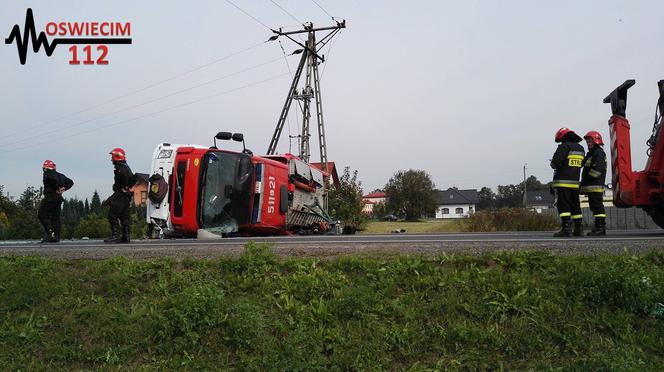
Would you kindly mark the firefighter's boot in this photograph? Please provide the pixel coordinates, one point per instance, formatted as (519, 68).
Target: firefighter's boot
(600, 227)
(578, 227)
(565, 228)
(115, 234)
(126, 234)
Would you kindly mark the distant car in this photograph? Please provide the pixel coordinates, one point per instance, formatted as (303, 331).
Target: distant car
(390, 217)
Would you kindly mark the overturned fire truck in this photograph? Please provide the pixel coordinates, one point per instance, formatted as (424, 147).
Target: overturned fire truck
(198, 190)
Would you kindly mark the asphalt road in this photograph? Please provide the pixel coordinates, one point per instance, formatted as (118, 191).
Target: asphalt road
(637, 241)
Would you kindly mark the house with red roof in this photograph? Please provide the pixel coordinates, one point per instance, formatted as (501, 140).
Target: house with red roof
(372, 199)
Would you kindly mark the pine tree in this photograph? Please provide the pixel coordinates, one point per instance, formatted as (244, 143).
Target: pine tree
(95, 204)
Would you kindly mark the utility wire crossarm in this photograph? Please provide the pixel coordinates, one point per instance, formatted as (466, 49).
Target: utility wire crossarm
(310, 59)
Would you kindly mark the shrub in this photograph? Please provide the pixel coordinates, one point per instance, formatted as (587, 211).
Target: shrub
(93, 227)
(509, 219)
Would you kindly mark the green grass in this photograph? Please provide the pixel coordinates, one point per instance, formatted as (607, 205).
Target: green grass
(428, 226)
(515, 311)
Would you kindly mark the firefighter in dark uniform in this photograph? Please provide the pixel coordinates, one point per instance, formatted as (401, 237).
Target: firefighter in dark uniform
(49, 209)
(118, 214)
(567, 162)
(593, 178)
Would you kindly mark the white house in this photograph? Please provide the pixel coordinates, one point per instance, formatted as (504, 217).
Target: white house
(539, 201)
(453, 203)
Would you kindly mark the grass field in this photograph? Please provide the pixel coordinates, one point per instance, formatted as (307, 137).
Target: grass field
(519, 311)
(428, 226)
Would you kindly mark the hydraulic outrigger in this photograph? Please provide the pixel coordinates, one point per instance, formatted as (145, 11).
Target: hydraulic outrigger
(644, 189)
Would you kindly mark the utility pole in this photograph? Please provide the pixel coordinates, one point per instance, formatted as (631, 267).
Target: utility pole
(525, 188)
(310, 59)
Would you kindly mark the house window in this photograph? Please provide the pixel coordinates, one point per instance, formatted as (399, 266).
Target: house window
(459, 211)
(144, 196)
(538, 197)
(445, 211)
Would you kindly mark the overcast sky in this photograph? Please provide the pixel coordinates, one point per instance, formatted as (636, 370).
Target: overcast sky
(468, 91)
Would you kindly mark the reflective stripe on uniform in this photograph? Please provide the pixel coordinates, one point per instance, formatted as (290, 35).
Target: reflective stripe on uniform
(594, 173)
(570, 156)
(600, 215)
(570, 184)
(577, 216)
(576, 153)
(591, 188)
(565, 214)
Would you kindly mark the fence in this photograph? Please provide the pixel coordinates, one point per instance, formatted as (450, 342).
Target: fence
(618, 218)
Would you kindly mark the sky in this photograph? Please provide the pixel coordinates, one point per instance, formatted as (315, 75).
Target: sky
(469, 91)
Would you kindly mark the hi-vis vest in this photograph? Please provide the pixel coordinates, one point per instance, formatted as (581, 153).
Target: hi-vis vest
(594, 171)
(567, 162)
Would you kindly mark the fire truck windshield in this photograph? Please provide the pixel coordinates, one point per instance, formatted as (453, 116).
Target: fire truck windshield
(225, 191)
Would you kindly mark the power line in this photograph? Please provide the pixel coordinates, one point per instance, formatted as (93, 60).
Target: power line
(249, 15)
(287, 12)
(150, 101)
(329, 51)
(32, 146)
(104, 103)
(323, 9)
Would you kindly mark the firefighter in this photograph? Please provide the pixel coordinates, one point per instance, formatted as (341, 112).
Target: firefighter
(49, 209)
(593, 178)
(118, 214)
(567, 163)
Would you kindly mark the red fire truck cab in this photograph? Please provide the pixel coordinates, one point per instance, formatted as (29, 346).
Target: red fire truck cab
(228, 193)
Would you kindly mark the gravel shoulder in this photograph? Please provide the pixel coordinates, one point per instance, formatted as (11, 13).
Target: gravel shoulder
(329, 247)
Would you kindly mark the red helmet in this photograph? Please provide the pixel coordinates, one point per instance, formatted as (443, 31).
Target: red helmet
(48, 164)
(118, 154)
(562, 132)
(597, 138)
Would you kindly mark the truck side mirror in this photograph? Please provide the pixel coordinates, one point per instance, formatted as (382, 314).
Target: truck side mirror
(224, 136)
(238, 137)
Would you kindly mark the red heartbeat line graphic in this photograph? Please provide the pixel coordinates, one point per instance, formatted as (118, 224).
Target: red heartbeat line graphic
(37, 41)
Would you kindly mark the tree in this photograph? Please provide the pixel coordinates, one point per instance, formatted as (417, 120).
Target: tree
(512, 195)
(379, 210)
(345, 200)
(509, 196)
(72, 214)
(30, 199)
(533, 184)
(95, 204)
(487, 199)
(411, 194)
(93, 227)
(23, 222)
(4, 225)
